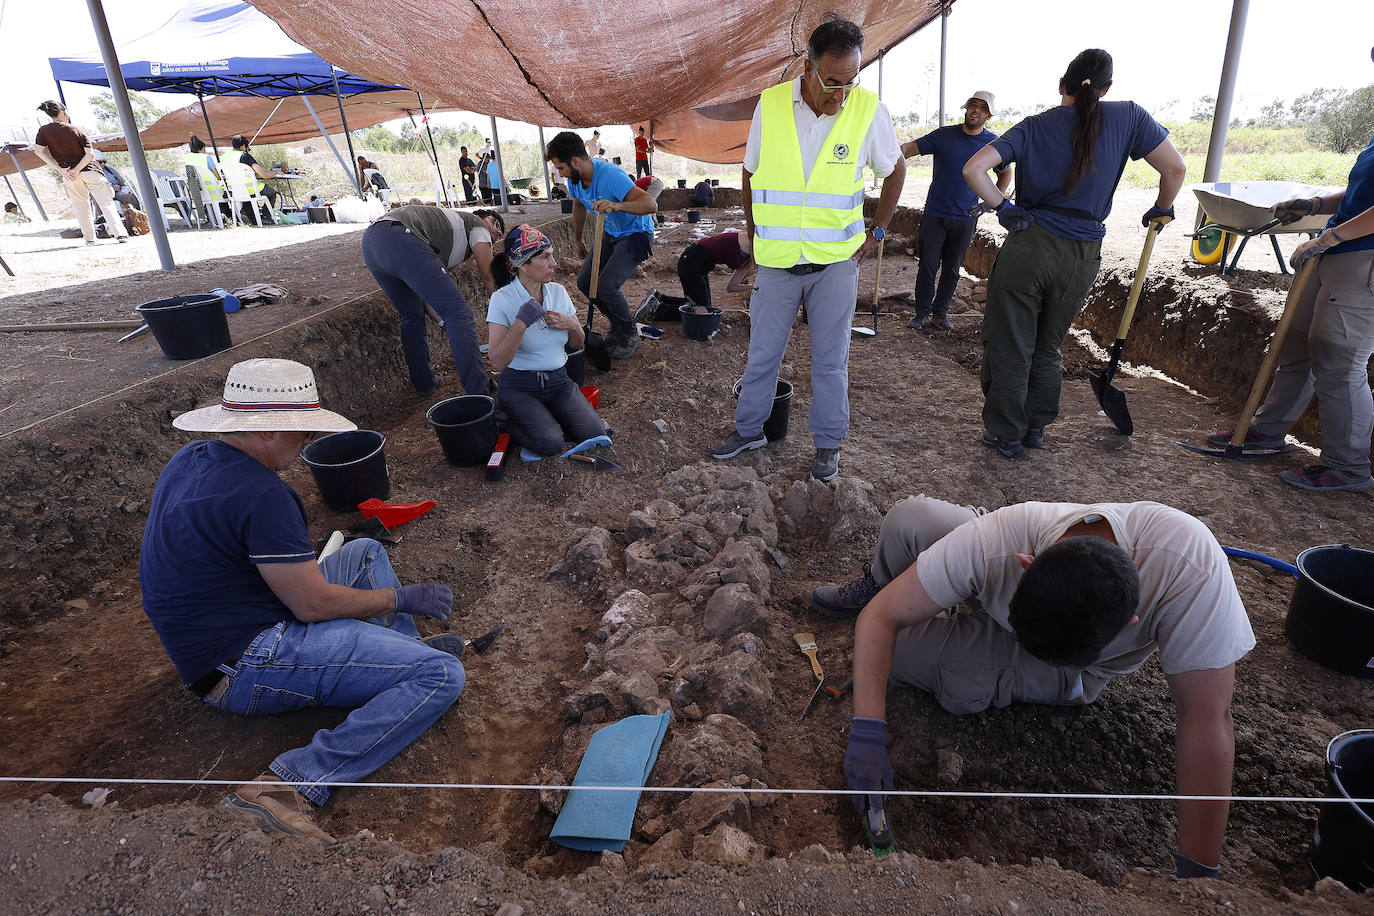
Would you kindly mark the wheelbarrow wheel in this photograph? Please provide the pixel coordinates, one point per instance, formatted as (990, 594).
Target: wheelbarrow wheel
(1209, 243)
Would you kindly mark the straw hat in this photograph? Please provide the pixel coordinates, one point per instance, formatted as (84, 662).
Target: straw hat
(986, 97)
(266, 395)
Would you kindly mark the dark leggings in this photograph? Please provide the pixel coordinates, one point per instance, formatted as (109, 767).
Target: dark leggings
(694, 271)
(546, 409)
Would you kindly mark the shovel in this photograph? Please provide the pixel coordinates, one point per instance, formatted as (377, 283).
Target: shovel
(1112, 400)
(595, 349)
(1237, 449)
(877, 284)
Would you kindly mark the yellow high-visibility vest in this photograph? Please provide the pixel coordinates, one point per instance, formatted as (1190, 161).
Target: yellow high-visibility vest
(820, 218)
(208, 182)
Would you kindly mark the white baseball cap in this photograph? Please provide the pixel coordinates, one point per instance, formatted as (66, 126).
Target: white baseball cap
(986, 97)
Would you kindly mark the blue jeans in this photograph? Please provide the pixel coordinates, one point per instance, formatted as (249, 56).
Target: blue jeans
(411, 274)
(620, 254)
(942, 243)
(546, 409)
(396, 685)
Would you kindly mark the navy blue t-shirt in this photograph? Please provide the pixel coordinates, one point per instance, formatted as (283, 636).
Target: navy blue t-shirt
(1041, 146)
(1359, 197)
(949, 196)
(609, 182)
(216, 514)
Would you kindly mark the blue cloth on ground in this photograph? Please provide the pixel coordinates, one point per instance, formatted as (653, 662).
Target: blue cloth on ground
(621, 754)
(527, 455)
(593, 442)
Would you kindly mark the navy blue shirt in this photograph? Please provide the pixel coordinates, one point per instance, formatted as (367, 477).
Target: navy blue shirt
(1359, 197)
(609, 182)
(216, 514)
(1041, 147)
(949, 196)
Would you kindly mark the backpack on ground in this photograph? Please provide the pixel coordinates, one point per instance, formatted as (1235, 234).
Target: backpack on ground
(136, 221)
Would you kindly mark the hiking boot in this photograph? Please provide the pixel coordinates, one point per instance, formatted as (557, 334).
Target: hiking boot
(1034, 437)
(919, 321)
(451, 643)
(1011, 449)
(734, 443)
(941, 323)
(626, 349)
(1321, 477)
(1222, 438)
(827, 464)
(277, 809)
(844, 602)
(438, 380)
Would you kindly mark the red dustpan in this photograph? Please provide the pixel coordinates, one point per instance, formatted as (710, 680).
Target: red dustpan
(394, 514)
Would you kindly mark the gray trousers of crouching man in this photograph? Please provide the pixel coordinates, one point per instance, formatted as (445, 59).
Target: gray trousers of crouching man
(829, 297)
(966, 660)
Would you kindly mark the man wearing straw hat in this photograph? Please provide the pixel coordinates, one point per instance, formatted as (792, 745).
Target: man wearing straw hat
(256, 626)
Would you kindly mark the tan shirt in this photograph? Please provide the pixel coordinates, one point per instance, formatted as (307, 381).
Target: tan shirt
(1189, 610)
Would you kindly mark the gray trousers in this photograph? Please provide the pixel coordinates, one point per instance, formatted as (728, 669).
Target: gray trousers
(967, 661)
(829, 297)
(1327, 351)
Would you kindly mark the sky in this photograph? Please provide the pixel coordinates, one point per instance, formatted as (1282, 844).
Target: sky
(1168, 53)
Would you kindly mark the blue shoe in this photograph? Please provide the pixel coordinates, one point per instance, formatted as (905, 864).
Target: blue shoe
(1009, 449)
(1034, 437)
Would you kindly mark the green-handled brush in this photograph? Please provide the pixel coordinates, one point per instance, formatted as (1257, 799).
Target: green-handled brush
(878, 831)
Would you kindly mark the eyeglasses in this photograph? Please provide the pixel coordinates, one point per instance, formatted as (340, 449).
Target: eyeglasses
(837, 87)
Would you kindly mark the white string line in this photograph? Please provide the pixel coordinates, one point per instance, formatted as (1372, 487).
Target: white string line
(899, 793)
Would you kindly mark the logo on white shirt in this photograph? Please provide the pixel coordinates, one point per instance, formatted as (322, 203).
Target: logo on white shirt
(841, 151)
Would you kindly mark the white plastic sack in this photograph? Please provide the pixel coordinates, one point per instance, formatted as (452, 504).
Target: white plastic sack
(355, 210)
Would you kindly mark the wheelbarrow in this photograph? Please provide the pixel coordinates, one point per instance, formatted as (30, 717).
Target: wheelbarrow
(1242, 210)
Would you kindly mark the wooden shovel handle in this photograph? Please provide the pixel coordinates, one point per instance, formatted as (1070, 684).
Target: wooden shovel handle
(1155, 227)
(878, 275)
(1290, 307)
(596, 253)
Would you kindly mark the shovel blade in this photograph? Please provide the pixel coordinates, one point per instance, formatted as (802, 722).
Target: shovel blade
(1231, 451)
(1113, 403)
(863, 332)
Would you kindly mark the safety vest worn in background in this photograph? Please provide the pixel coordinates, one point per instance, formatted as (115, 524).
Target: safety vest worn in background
(820, 219)
(208, 183)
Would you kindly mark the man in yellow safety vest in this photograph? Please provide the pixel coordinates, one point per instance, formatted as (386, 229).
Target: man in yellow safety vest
(803, 203)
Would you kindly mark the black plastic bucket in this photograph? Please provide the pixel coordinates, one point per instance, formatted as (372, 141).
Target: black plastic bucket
(188, 327)
(1331, 614)
(349, 468)
(466, 427)
(715, 182)
(1343, 844)
(775, 427)
(697, 325)
(566, 204)
(693, 215)
(317, 214)
(577, 365)
(682, 182)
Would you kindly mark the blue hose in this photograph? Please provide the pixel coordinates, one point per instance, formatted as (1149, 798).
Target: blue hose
(1267, 560)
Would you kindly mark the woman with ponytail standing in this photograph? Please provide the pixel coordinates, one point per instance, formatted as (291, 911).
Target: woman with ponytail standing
(1068, 162)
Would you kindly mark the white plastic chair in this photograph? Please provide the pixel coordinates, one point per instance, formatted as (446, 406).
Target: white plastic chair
(167, 196)
(209, 203)
(236, 175)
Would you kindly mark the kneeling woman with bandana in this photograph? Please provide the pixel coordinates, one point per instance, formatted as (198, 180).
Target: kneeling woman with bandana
(529, 323)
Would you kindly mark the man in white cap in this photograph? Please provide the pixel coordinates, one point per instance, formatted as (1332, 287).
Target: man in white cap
(256, 626)
(947, 226)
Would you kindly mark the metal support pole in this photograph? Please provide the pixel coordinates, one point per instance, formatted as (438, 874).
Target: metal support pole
(944, 30)
(544, 166)
(28, 184)
(329, 140)
(500, 167)
(443, 185)
(200, 96)
(1230, 66)
(60, 97)
(352, 156)
(146, 189)
(880, 75)
(254, 139)
(13, 196)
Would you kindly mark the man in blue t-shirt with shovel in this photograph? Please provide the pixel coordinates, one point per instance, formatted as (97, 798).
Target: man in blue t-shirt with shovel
(947, 227)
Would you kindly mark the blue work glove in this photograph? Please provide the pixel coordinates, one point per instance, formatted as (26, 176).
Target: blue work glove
(1012, 217)
(1154, 213)
(530, 313)
(1310, 248)
(1187, 868)
(428, 599)
(866, 766)
(979, 209)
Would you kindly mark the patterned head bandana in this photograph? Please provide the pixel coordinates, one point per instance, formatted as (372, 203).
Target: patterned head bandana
(523, 243)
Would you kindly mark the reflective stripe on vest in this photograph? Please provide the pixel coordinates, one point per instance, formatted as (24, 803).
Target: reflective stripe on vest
(819, 218)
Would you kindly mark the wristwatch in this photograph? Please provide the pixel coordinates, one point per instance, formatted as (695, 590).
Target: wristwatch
(879, 234)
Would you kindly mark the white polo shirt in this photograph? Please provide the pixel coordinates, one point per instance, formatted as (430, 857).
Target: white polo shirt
(880, 148)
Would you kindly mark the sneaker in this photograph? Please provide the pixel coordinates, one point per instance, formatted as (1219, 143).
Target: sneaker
(1321, 477)
(451, 643)
(90, 243)
(827, 464)
(1222, 438)
(277, 809)
(1034, 437)
(940, 322)
(648, 309)
(734, 443)
(1011, 449)
(844, 602)
(438, 380)
(919, 321)
(121, 239)
(626, 349)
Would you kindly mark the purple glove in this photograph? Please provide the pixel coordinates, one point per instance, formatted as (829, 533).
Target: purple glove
(530, 313)
(865, 761)
(428, 599)
(1159, 213)
(1012, 217)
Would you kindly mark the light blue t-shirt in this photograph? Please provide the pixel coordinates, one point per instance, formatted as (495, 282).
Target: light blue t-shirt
(609, 182)
(541, 349)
